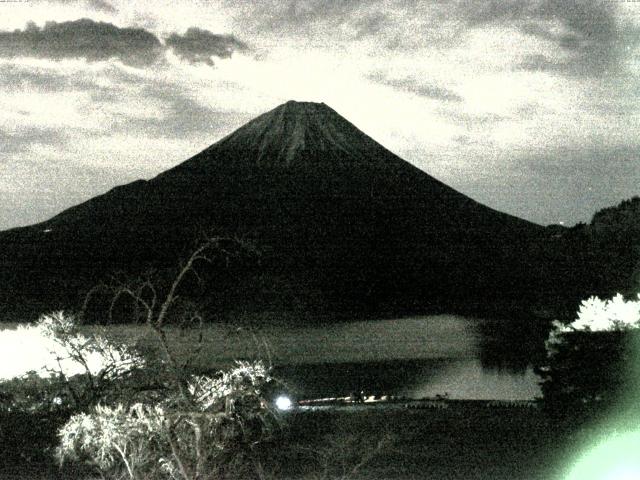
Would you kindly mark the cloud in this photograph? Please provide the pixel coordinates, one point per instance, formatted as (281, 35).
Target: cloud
(371, 24)
(478, 13)
(23, 139)
(15, 77)
(96, 41)
(198, 45)
(389, 25)
(540, 63)
(597, 162)
(82, 38)
(102, 6)
(296, 15)
(469, 120)
(180, 115)
(587, 38)
(326, 22)
(420, 88)
(95, 5)
(589, 35)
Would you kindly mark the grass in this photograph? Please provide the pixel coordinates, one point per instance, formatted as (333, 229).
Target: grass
(462, 442)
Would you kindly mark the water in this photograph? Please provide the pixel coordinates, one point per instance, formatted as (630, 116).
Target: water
(456, 379)
(414, 357)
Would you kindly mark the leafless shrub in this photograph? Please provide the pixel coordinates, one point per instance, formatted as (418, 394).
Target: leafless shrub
(201, 427)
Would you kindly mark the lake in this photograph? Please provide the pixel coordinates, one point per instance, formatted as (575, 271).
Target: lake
(413, 357)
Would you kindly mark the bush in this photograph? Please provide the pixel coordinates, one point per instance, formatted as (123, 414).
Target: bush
(115, 440)
(32, 393)
(145, 418)
(216, 432)
(589, 361)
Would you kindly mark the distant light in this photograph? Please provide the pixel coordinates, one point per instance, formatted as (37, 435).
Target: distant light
(283, 403)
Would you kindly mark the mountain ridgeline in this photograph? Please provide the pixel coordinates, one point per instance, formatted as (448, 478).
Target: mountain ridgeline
(344, 228)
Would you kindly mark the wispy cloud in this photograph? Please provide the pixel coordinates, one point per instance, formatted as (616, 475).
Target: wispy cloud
(422, 88)
(95, 5)
(102, 5)
(590, 35)
(24, 138)
(16, 77)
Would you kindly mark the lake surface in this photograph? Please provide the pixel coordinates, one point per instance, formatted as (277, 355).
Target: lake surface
(414, 357)
(458, 379)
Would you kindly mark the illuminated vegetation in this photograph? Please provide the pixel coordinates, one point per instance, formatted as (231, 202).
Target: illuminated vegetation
(591, 361)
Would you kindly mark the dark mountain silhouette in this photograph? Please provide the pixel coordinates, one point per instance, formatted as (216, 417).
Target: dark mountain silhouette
(344, 226)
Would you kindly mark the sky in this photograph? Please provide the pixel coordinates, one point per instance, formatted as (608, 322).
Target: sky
(530, 107)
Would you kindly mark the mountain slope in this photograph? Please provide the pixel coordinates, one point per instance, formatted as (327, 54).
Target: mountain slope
(345, 226)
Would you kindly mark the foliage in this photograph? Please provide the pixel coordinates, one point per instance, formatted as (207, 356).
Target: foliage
(599, 258)
(589, 360)
(144, 414)
(188, 426)
(596, 315)
(32, 393)
(217, 436)
(613, 248)
(244, 382)
(115, 438)
(93, 355)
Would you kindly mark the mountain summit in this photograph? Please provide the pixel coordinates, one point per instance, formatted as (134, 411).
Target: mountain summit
(300, 133)
(306, 149)
(345, 226)
(296, 135)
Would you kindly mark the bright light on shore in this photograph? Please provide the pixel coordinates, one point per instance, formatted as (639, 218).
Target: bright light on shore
(283, 403)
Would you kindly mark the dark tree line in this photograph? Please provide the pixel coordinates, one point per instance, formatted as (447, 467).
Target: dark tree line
(600, 258)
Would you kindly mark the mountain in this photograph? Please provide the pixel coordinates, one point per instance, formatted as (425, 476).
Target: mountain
(344, 226)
